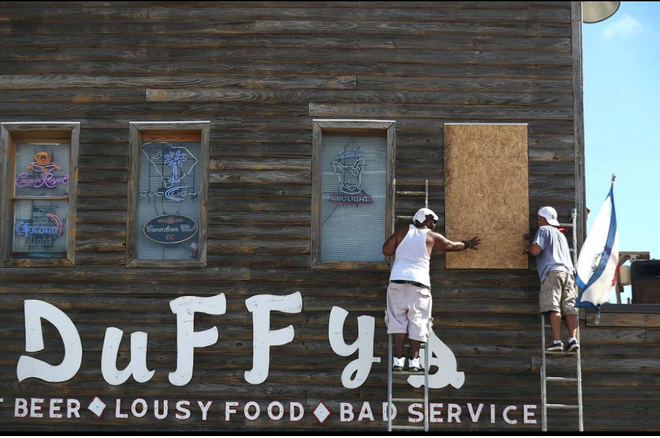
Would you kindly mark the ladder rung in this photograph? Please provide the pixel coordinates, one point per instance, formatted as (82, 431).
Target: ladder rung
(560, 406)
(561, 353)
(408, 400)
(406, 192)
(409, 373)
(408, 427)
(561, 379)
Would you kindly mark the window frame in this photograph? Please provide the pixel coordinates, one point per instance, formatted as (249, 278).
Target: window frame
(387, 128)
(10, 132)
(137, 130)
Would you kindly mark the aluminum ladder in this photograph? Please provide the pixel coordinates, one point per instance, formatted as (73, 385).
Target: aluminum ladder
(554, 379)
(422, 345)
(425, 193)
(391, 400)
(578, 358)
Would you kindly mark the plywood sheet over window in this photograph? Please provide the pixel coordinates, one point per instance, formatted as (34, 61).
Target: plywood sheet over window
(487, 193)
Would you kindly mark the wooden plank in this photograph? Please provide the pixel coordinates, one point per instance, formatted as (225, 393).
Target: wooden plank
(128, 28)
(97, 95)
(328, 55)
(260, 177)
(411, 28)
(72, 54)
(455, 84)
(476, 114)
(459, 42)
(233, 163)
(113, 274)
(242, 190)
(258, 246)
(578, 126)
(372, 97)
(173, 111)
(387, 68)
(107, 203)
(190, 40)
(624, 320)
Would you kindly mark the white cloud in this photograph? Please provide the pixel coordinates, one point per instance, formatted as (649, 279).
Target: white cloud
(624, 26)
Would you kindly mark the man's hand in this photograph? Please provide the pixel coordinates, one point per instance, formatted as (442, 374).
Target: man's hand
(526, 240)
(473, 243)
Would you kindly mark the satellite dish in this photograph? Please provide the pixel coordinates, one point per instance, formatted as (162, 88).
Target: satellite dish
(594, 12)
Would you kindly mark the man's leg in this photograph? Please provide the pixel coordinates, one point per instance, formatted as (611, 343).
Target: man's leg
(399, 340)
(414, 349)
(571, 324)
(555, 324)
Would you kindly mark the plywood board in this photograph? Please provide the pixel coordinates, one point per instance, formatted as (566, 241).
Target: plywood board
(487, 193)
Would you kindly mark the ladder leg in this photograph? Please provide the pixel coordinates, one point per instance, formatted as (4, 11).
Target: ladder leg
(426, 384)
(389, 382)
(544, 409)
(579, 381)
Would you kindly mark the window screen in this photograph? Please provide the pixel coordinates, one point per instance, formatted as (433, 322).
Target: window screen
(169, 200)
(354, 190)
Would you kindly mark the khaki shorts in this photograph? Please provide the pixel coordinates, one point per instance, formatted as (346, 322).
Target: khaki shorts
(408, 310)
(558, 293)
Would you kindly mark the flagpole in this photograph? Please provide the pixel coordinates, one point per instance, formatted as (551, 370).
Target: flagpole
(613, 178)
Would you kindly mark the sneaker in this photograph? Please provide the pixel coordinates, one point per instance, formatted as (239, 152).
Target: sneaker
(556, 346)
(398, 364)
(572, 346)
(414, 365)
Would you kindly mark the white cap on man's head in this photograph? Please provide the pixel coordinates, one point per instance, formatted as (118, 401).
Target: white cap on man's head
(550, 214)
(421, 214)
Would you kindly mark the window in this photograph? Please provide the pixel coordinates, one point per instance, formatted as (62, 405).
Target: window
(352, 192)
(167, 194)
(39, 206)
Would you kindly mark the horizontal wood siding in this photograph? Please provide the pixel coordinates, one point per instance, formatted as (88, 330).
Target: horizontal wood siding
(261, 72)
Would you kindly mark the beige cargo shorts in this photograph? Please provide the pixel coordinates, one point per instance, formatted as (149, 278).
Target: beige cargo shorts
(558, 293)
(408, 310)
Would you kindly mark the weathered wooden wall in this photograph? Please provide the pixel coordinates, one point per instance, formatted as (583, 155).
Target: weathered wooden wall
(260, 72)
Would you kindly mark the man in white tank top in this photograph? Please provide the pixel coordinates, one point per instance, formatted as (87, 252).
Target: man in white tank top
(409, 300)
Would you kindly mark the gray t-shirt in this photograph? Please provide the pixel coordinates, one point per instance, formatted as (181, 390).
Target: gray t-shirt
(555, 255)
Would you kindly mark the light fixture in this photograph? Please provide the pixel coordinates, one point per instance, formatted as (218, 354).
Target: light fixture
(595, 12)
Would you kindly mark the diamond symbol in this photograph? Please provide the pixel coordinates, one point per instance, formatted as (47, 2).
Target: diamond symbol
(97, 407)
(321, 412)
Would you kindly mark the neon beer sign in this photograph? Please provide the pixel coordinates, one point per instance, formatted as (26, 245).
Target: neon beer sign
(41, 235)
(349, 167)
(42, 163)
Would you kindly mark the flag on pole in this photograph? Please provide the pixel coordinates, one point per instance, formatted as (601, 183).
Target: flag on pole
(598, 263)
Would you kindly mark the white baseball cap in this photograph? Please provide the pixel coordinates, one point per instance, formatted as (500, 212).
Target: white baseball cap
(421, 214)
(550, 214)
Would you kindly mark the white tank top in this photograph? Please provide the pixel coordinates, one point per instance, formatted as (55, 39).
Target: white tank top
(412, 258)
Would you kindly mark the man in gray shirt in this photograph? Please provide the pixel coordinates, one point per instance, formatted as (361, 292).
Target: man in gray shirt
(557, 275)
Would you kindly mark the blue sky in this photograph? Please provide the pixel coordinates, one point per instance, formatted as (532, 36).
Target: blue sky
(622, 116)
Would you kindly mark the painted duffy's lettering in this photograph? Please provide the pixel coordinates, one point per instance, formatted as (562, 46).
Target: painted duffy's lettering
(263, 337)
(27, 367)
(187, 338)
(354, 374)
(357, 371)
(443, 358)
(138, 364)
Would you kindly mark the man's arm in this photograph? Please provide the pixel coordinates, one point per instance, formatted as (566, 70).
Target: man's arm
(531, 248)
(446, 245)
(390, 245)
